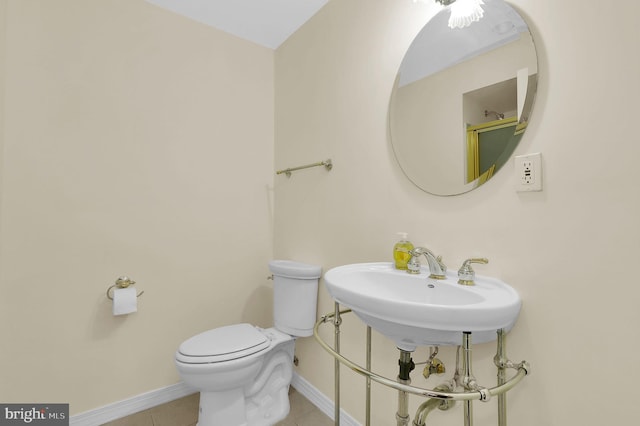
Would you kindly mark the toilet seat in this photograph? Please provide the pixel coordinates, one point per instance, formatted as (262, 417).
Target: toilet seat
(223, 344)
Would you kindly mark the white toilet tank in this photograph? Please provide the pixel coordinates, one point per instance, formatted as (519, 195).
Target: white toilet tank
(295, 296)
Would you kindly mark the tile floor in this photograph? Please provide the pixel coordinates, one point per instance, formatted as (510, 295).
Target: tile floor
(184, 412)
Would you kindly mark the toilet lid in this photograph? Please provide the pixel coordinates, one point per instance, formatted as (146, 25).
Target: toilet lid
(222, 344)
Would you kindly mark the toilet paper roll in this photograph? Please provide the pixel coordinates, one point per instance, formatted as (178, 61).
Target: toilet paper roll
(125, 301)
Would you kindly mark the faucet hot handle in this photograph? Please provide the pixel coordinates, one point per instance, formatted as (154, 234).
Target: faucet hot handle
(466, 274)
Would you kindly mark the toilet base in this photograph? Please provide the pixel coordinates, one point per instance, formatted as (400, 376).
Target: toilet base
(269, 407)
(231, 408)
(222, 408)
(262, 402)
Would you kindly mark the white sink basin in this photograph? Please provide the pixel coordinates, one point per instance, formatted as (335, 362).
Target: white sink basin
(414, 310)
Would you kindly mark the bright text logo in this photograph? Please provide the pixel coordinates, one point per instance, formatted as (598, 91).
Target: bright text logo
(36, 414)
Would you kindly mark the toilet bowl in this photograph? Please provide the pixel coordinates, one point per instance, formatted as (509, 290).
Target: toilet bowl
(242, 371)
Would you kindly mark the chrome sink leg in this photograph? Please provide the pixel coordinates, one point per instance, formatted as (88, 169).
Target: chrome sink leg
(368, 395)
(337, 320)
(501, 360)
(467, 377)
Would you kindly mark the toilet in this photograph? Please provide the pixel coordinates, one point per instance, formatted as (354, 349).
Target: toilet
(242, 371)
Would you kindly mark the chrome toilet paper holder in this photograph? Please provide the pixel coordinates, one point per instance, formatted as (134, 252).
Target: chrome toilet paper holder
(122, 282)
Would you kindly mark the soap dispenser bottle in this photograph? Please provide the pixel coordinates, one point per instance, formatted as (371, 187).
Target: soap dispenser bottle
(401, 251)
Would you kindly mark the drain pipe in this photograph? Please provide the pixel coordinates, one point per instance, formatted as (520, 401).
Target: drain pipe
(432, 403)
(406, 366)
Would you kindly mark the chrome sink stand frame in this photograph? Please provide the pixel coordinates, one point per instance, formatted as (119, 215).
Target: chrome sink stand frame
(482, 394)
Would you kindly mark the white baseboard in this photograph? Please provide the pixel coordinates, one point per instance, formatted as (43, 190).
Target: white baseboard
(157, 397)
(320, 400)
(130, 406)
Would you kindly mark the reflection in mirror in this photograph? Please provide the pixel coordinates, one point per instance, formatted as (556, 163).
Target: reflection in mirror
(462, 99)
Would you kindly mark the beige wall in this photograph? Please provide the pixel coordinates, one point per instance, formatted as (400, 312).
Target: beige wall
(3, 25)
(570, 250)
(136, 142)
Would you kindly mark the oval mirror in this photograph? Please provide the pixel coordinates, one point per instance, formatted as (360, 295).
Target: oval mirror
(462, 99)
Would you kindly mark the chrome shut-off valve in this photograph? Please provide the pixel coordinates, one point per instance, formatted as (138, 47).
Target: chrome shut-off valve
(433, 365)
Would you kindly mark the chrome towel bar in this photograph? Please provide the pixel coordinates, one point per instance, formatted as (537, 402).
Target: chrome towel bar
(326, 163)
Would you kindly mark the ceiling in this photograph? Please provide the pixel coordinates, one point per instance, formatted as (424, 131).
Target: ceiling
(270, 22)
(265, 22)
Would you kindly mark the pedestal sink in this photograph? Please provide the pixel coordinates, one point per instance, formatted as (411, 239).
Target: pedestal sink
(414, 310)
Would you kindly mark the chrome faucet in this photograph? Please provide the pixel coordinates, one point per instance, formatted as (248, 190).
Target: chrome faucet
(437, 269)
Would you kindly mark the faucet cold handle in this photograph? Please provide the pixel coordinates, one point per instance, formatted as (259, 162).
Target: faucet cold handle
(466, 274)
